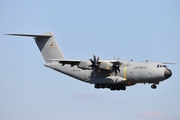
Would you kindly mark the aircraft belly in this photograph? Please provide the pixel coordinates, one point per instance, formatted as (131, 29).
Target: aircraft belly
(99, 80)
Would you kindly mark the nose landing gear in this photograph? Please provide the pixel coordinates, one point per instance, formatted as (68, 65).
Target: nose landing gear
(153, 86)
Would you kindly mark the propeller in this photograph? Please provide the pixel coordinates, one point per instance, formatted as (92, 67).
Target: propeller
(115, 67)
(95, 62)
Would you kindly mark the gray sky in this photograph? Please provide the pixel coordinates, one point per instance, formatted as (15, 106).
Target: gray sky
(137, 30)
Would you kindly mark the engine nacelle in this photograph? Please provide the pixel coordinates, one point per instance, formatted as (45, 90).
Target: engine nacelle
(84, 65)
(105, 65)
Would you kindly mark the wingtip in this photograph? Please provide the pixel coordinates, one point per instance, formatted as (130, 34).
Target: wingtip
(170, 63)
(7, 34)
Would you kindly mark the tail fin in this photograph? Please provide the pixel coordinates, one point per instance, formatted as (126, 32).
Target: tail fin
(47, 45)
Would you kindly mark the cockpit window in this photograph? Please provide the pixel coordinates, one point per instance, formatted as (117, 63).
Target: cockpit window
(165, 66)
(159, 66)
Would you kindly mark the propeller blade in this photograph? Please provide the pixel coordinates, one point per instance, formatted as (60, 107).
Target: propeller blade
(95, 62)
(118, 69)
(98, 59)
(91, 61)
(115, 67)
(94, 58)
(115, 72)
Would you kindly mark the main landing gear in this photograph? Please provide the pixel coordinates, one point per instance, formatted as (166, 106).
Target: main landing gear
(153, 86)
(111, 87)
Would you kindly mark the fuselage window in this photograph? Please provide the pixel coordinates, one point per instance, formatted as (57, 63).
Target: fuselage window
(157, 66)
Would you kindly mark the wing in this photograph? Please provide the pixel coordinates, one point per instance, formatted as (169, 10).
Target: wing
(87, 64)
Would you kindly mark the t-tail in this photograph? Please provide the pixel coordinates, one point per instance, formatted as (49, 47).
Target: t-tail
(47, 45)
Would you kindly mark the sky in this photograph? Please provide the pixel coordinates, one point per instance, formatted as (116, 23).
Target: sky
(139, 30)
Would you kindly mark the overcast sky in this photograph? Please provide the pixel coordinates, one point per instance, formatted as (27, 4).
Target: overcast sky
(139, 30)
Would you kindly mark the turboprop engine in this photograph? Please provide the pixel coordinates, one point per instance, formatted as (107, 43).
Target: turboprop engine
(84, 65)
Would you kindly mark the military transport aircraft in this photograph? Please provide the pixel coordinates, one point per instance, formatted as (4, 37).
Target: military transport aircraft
(111, 74)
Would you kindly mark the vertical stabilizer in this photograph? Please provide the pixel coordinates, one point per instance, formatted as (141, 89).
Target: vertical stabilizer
(47, 45)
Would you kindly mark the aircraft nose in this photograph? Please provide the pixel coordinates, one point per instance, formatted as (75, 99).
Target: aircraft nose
(167, 73)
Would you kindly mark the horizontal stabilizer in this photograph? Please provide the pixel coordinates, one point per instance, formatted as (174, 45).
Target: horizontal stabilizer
(30, 35)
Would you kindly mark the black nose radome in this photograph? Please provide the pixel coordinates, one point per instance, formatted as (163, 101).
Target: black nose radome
(167, 73)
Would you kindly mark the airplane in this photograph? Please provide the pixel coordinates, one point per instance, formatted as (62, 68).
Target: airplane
(112, 74)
